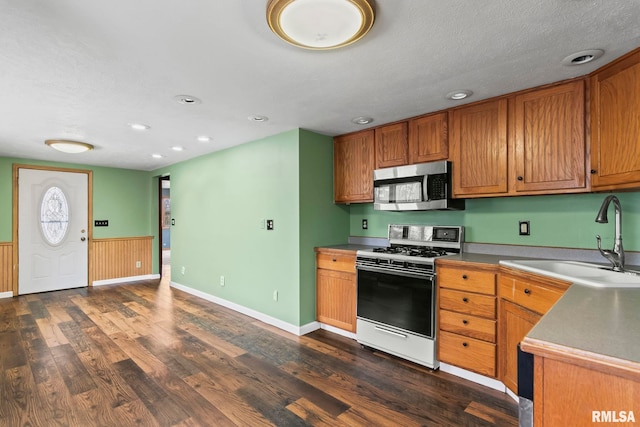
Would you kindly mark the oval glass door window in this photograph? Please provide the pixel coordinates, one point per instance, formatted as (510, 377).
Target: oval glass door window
(54, 216)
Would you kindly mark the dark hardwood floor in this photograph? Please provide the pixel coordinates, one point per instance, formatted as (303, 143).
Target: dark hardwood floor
(146, 354)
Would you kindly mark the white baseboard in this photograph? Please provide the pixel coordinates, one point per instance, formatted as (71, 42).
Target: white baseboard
(472, 376)
(293, 329)
(512, 395)
(125, 279)
(338, 331)
(6, 294)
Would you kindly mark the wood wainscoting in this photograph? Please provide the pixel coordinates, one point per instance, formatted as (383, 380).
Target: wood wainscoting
(118, 257)
(6, 267)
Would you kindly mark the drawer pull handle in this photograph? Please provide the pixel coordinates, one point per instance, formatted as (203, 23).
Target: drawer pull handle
(465, 299)
(464, 344)
(527, 291)
(465, 322)
(395, 334)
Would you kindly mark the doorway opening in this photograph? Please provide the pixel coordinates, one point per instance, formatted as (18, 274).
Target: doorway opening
(165, 227)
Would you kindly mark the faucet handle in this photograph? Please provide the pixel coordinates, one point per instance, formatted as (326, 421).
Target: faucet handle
(599, 242)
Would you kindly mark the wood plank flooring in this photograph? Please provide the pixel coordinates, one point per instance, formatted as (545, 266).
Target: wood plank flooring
(144, 354)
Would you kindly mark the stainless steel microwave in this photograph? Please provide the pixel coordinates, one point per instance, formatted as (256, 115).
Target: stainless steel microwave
(419, 187)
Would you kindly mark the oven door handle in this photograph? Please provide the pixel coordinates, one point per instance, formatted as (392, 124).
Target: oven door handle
(428, 276)
(395, 334)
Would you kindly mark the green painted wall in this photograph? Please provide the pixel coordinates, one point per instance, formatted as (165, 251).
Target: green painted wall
(566, 221)
(120, 195)
(219, 202)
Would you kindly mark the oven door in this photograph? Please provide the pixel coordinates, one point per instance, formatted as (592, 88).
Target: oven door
(402, 300)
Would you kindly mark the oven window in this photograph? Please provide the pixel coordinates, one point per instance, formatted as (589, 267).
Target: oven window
(403, 302)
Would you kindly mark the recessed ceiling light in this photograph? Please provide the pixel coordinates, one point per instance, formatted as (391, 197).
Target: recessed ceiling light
(320, 24)
(362, 120)
(68, 146)
(139, 126)
(457, 95)
(187, 99)
(157, 156)
(257, 118)
(177, 148)
(583, 57)
(204, 138)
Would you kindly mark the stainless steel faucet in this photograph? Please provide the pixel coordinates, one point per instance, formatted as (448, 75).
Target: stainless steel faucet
(616, 255)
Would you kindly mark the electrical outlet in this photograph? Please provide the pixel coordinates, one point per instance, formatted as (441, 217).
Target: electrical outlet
(183, 270)
(523, 228)
(138, 264)
(275, 295)
(365, 224)
(101, 223)
(269, 224)
(221, 280)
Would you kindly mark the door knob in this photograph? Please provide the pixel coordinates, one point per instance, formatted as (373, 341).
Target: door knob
(82, 239)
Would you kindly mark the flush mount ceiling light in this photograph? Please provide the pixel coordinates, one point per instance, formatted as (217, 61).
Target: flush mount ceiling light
(320, 24)
(68, 146)
(138, 126)
(157, 156)
(177, 148)
(204, 138)
(187, 99)
(457, 95)
(362, 120)
(583, 57)
(257, 118)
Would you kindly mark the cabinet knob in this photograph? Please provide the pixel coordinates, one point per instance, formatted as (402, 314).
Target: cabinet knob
(464, 344)
(465, 322)
(593, 171)
(334, 260)
(520, 178)
(527, 291)
(464, 276)
(465, 299)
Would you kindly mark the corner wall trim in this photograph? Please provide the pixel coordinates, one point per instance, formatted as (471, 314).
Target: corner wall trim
(6, 294)
(288, 327)
(125, 279)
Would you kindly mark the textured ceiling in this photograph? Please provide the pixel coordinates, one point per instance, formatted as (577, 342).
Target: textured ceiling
(78, 69)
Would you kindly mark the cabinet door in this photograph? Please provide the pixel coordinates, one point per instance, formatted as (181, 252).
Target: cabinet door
(353, 161)
(391, 146)
(615, 125)
(479, 149)
(549, 139)
(514, 323)
(336, 299)
(428, 138)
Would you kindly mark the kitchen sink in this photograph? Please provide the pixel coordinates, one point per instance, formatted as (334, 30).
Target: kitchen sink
(579, 272)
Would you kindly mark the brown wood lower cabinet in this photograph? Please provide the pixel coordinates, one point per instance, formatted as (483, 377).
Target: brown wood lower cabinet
(336, 288)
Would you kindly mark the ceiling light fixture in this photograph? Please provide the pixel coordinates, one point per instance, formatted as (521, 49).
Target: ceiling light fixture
(138, 126)
(68, 146)
(457, 95)
(362, 120)
(257, 118)
(583, 57)
(177, 148)
(157, 156)
(320, 24)
(187, 99)
(204, 138)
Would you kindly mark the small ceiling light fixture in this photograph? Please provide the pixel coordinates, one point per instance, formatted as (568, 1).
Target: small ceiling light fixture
(320, 24)
(68, 146)
(257, 118)
(177, 148)
(204, 138)
(457, 95)
(583, 57)
(138, 126)
(362, 120)
(157, 156)
(187, 99)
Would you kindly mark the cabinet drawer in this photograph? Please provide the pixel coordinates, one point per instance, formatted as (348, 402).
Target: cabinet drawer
(529, 295)
(470, 326)
(468, 303)
(483, 282)
(468, 353)
(338, 262)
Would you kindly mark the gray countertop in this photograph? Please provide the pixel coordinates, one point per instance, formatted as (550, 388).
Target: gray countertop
(598, 320)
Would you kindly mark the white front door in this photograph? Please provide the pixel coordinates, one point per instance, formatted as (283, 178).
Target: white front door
(53, 228)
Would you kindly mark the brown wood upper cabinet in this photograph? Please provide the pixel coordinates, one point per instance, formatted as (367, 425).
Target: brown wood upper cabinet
(615, 124)
(543, 152)
(353, 163)
(479, 149)
(391, 145)
(428, 138)
(548, 141)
